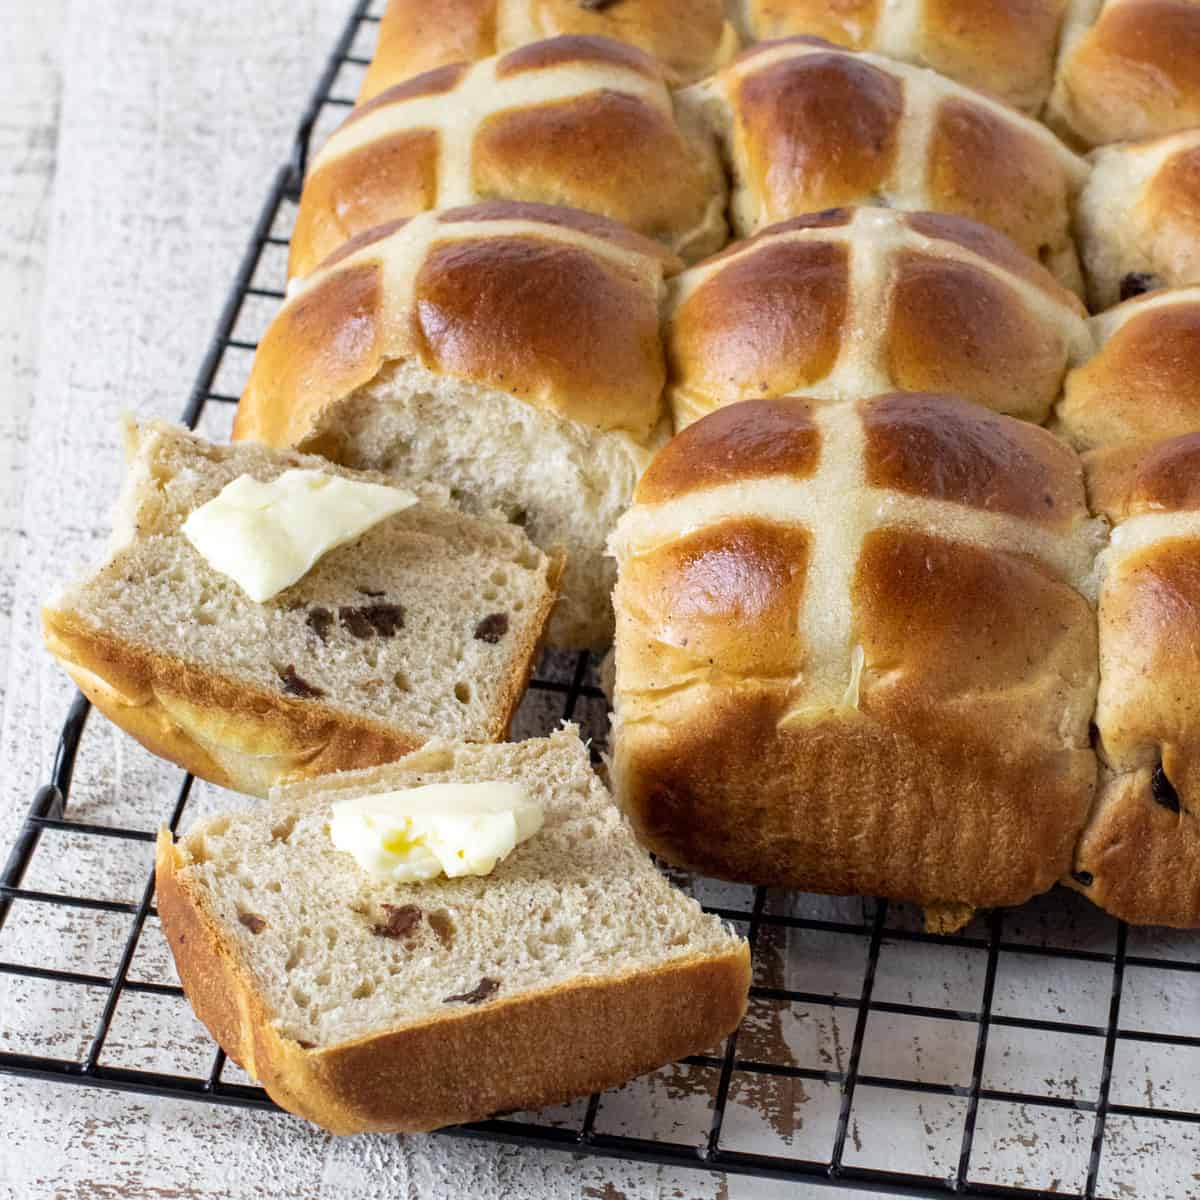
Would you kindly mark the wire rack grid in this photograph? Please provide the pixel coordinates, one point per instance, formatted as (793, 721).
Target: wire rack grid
(1044, 1051)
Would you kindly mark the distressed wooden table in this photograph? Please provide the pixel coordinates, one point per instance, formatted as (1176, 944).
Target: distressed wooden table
(136, 145)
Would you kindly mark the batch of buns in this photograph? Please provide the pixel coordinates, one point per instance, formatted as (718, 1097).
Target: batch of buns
(751, 335)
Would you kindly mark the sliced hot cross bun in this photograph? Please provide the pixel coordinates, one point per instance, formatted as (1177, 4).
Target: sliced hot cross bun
(1126, 69)
(582, 121)
(855, 651)
(1144, 381)
(806, 125)
(691, 38)
(1002, 46)
(509, 351)
(1138, 218)
(848, 303)
(1140, 855)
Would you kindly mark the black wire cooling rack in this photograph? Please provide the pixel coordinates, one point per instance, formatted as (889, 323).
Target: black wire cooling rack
(1044, 1051)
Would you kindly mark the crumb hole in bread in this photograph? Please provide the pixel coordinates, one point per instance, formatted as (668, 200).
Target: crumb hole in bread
(331, 936)
(402, 682)
(322, 979)
(275, 886)
(365, 989)
(204, 617)
(500, 577)
(300, 997)
(218, 828)
(282, 830)
(462, 692)
(295, 958)
(490, 593)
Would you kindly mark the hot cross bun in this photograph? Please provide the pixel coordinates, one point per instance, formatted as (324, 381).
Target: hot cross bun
(848, 303)
(806, 126)
(1144, 381)
(509, 351)
(856, 651)
(1126, 69)
(1138, 218)
(691, 38)
(1002, 46)
(1140, 855)
(581, 121)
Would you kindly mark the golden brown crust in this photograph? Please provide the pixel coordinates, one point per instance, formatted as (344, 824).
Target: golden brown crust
(1143, 382)
(731, 592)
(984, 166)
(924, 446)
(560, 322)
(1139, 859)
(1134, 73)
(994, 247)
(594, 225)
(957, 327)
(604, 139)
(584, 346)
(766, 324)
(868, 681)
(943, 304)
(437, 82)
(600, 152)
(772, 437)
(462, 1066)
(690, 38)
(807, 125)
(820, 130)
(416, 36)
(1144, 477)
(389, 178)
(1001, 46)
(576, 48)
(321, 346)
(219, 728)
(729, 791)
(1149, 707)
(1170, 202)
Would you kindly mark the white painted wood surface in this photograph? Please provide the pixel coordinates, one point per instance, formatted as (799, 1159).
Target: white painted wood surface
(135, 148)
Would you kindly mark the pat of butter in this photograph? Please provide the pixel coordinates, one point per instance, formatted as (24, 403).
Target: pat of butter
(265, 536)
(442, 829)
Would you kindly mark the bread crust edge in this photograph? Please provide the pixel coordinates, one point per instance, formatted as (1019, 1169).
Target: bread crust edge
(527, 1051)
(234, 735)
